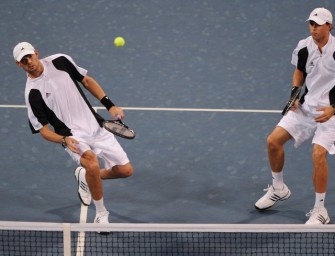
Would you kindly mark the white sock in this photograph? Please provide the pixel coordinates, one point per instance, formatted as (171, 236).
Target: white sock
(278, 180)
(99, 205)
(319, 200)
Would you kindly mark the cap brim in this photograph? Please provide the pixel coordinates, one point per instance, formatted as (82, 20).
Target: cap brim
(24, 53)
(317, 20)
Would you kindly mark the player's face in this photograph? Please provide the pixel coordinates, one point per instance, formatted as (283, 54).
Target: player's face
(319, 33)
(31, 64)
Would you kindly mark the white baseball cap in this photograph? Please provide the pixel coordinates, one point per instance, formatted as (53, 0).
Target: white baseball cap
(321, 16)
(22, 49)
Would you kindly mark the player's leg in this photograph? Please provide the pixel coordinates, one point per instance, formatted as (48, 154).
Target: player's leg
(117, 171)
(319, 215)
(275, 145)
(116, 162)
(320, 172)
(323, 144)
(90, 163)
(276, 155)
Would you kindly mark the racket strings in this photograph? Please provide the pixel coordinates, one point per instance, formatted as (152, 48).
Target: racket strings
(119, 129)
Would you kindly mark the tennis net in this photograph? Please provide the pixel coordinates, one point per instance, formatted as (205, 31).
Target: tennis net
(37, 238)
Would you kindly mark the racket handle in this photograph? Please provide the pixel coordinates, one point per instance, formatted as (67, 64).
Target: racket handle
(118, 117)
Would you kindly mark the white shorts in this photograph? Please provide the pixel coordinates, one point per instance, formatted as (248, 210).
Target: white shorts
(301, 126)
(104, 145)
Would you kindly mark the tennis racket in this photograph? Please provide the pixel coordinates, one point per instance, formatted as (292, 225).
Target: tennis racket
(294, 96)
(118, 128)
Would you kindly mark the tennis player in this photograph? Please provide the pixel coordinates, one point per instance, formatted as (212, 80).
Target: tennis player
(311, 117)
(54, 98)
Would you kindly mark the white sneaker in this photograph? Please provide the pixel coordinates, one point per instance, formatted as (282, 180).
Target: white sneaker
(83, 189)
(317, 216)
(272, 196)
(101, 217)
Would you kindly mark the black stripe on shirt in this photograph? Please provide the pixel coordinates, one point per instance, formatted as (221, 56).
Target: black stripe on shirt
(302, 60)
(44, 114)
(62, 63)
(332, 96)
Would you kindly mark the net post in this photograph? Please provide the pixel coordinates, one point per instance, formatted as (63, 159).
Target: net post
(67, 239)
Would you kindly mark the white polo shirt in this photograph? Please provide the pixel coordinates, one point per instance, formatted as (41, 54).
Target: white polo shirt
(319, 69)
(56, 98)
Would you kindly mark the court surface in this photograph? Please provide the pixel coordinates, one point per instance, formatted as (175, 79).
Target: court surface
(202, 83)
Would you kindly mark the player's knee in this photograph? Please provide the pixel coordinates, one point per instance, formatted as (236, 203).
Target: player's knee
(90, 162)
(123, 171)
(272, 142)
(89, 158)
(319, 154)
(127, 171)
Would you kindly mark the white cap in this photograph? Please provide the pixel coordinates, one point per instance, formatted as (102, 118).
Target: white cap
(22, 49)
(321, 16)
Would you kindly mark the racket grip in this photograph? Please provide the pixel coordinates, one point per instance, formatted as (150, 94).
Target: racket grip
(118, 117)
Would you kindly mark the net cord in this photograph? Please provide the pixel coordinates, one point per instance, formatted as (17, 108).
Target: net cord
(158, 227)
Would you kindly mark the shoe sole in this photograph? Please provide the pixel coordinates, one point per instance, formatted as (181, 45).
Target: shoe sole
(287, 196)
(81, 200)
(104, 233)
(327, 222)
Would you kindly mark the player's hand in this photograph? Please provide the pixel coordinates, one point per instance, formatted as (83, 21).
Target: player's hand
(71, 144)
(327, 113)
(116, 112)
(295, 106)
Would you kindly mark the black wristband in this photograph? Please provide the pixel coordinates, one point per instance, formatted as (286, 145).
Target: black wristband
(107, 102)
(333, 105)
(64, 144)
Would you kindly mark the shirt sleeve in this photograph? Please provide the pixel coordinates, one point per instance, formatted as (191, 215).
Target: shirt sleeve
(300, 56)
(65, 63)
(81, 70)
(294, 60)
(36, 111)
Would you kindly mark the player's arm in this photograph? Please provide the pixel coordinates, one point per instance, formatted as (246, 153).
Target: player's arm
(96, 90)
(50, 135)
(298, 80)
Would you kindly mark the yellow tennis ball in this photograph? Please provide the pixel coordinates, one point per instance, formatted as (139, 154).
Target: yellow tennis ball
(119, 41)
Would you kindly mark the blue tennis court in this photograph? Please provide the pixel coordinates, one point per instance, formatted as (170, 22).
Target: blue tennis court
(202, 83)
